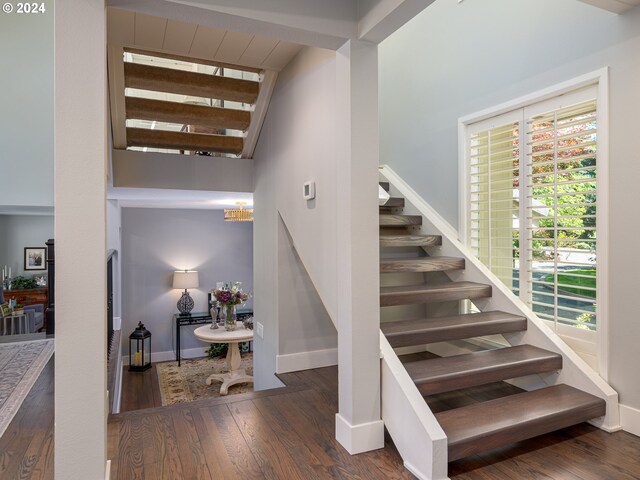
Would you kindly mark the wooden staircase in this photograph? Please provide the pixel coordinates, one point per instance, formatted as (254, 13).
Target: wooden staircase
(484, 425)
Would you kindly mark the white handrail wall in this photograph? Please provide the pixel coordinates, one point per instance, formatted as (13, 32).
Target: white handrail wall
(416, 433)
(575, 371)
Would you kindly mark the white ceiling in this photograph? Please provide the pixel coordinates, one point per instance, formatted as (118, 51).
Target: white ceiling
(138, 30)
(189, 199)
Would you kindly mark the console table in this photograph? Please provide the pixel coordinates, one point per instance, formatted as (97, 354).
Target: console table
(198, 318)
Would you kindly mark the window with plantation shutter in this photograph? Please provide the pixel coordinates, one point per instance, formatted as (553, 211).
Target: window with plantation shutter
(531, 205)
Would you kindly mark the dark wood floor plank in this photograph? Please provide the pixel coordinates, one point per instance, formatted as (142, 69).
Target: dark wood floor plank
(311, 405)
(43, 470)
(307, 461)
(161, 456)
(194, 461)
(130, 452)
(231, 444)
(37, 445)
(272, 457)
(35, 413)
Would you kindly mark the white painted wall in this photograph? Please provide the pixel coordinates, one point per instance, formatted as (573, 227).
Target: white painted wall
(80, 230)
(19, 231)
(305, 325)
(462, 68)
(296, 144)
(157, 241)
(26, 115)
(137, 169)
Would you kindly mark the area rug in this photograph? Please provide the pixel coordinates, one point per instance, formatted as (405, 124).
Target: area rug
(187, 382)
(20, 366)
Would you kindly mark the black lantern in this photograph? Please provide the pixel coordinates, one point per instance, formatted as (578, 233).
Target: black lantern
(140, 349)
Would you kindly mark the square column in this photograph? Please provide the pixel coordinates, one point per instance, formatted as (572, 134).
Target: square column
(80, 240)
(358, 424)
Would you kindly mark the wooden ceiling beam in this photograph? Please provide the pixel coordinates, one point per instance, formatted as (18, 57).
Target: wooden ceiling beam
(186, 114)
(201, 61)
(168, 80)
(142, 137)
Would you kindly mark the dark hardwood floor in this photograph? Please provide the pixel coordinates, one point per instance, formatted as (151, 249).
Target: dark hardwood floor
(26, 447)
(287, 434)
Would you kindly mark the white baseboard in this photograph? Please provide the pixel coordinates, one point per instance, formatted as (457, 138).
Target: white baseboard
(359, 438)
(171, 355)
(417, 473)
(630, 419)
(294, 362)
(117, 394)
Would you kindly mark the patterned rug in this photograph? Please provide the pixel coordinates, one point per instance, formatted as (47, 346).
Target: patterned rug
(187, 382)
(20, 366)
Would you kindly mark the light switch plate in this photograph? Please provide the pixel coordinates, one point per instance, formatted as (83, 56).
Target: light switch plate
(260, 329)
(309, 190)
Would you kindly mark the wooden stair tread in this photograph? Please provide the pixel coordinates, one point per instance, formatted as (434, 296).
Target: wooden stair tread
(421, 264)
(410, 240)
(484, 426)
(388, 220)
(384, 185)
(445, 374)
(440, 329)
(394, 202)
(423, 293)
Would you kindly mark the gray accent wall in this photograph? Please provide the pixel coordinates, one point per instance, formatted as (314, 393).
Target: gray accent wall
(19, 231)
(26, 108)
(455, 59)
(155, 242)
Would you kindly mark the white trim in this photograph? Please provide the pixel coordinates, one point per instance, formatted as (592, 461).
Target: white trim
(417, 473)
(591, 78)
(294, 362)
(602, 227)
(600, 79)
(117, 323)
(418, 436)
(360, 438)
(107, 470)
(630, 419)
(117, 393)
(171, 355)
(267, 83)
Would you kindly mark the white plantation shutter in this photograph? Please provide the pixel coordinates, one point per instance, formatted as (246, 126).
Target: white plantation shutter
(531, 204)
(493, 212)
(561, 175)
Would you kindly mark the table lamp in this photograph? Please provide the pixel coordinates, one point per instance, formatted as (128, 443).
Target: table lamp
(185, 279)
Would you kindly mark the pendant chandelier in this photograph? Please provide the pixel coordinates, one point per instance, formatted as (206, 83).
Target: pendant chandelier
(239, 214)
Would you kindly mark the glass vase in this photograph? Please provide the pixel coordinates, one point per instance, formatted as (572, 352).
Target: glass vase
(230, 317)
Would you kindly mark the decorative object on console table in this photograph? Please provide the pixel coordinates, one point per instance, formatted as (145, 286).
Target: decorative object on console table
(185, 279)
(140, 349)
(228, 297)
(40, 279)
(35, 258)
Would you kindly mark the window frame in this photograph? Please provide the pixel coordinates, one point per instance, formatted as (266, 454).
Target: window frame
(599, 79)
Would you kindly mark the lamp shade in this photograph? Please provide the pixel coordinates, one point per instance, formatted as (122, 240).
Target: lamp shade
(185, 279)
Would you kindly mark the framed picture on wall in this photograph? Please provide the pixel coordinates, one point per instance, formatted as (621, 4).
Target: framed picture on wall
(35, 258)
(41, 279)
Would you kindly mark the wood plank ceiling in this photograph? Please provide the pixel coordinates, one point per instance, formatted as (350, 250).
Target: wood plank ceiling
(187, 88)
